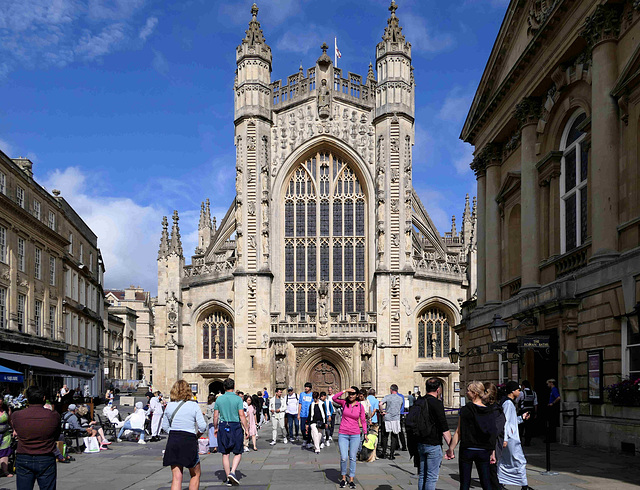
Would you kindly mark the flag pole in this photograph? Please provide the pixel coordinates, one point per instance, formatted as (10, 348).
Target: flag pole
(335, 52)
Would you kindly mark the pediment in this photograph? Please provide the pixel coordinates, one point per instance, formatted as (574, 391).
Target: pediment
(510, 185)
(520, 26)
(629, 76)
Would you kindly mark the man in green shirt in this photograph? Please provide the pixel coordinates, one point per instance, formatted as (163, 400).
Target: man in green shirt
(230, 427)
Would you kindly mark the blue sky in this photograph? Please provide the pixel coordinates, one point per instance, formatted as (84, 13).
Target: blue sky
(127, 105)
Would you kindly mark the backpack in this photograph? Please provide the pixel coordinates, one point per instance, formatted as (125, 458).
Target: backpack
(418, 421)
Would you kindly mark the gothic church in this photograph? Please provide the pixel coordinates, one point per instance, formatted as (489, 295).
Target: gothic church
(327, 267)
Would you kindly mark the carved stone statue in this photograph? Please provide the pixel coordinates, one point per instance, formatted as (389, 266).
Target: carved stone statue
(324, 100)
(323, 292)
(365, 371)
(381, 211)
(380, 181)
(251, 208)
(265, 244)
(281, 371)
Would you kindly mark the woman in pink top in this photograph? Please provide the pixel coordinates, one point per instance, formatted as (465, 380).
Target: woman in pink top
(353, 417)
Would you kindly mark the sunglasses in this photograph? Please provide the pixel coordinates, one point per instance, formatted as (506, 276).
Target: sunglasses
(351, 393)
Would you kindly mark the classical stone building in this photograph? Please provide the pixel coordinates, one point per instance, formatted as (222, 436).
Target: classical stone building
(326, 267)
(555, 127)
(140, 302)
(51, 275)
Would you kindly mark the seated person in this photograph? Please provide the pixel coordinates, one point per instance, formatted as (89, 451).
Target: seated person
(135, 422)
(71, 420)
(368, 452)
(113, 415)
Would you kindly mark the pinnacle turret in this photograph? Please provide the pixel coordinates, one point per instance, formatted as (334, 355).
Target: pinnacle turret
(393, 31)
(254, 34)
(175, 244)
(466, 215)
(454, 231)
(164, 239)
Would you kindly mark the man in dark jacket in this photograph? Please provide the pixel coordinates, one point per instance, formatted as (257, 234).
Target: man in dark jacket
(429, 448)
(38, 430)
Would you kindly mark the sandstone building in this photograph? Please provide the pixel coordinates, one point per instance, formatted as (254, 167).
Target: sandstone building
(326, 267)
(51, 276)
(557, 158)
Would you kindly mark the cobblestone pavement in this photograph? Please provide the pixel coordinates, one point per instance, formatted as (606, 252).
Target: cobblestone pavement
(128, 465)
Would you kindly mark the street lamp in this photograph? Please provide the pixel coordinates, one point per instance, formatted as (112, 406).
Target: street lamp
(499, 329)
(454, 354)
(634, 318)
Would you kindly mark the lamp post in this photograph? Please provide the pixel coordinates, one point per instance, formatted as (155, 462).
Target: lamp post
(454, 354)
(499, 329)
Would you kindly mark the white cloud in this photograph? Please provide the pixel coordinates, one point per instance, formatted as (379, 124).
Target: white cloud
(434, 202)
(456, 106)
(300, 40)
(46, 33)
(6, 148)
(423, 147)
(128, 232)
(415, 29)
(148, 28)
(463, 158)
(159, 62)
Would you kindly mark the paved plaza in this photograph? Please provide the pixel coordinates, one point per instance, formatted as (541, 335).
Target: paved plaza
(128, 465)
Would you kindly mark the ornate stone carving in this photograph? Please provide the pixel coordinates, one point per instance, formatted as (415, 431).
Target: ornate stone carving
(280, 349)
(171, 343)
(324, 99)
(302, 353)
(407, 307)
(251, 143)
(251, 208)
(251, 284)
(603, 25)
(345, 352)
(281, 372)
(395, 240)
(252, 241)
(538, 13)
(491, 154)
(395, 316)
(393, 145)
(365, 371)
(395, 175)
(408, 338)
(395, 283)
(395, 205)
(528, 111)
(323, 292)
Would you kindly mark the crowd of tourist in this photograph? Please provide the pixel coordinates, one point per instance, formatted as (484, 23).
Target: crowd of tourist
(489, 430)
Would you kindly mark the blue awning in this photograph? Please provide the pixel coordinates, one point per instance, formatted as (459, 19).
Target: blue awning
(10, 376)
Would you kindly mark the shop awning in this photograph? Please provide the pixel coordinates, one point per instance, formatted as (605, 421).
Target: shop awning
(42, 364)
(10, 376)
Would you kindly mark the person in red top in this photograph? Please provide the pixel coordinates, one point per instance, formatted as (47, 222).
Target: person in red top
(38, 430)
(353, 417)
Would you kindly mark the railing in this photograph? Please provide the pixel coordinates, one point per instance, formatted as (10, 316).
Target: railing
(572, 261)
(354, 324)
(510, 288)
(440, 267)
(223, 266)
(299, 86)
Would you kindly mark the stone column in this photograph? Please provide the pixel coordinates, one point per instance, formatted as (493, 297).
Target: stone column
(478, 167)
(601, 31)
(492, 154)
(528, 113)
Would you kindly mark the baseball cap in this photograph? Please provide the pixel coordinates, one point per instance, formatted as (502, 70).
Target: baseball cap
(72, 406)
(511, 387)
(290, 388)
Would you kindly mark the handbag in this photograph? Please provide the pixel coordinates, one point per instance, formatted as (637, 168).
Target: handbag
(91, 445)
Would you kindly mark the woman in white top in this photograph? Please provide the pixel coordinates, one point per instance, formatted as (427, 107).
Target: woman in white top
(135, 422)
(183, 420)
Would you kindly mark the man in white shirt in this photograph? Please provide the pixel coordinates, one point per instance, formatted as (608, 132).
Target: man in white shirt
(291, 413)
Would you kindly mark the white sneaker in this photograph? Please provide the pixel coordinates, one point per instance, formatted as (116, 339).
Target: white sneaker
(273, 443)
(285, 441)
(330, 438)
(141, 442)
(119, 440)
(246, 449)
(328, 442)
(322, 445)
(317, 451)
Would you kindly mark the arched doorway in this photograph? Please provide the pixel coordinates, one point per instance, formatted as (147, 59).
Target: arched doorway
(216, 387)
(324, 375)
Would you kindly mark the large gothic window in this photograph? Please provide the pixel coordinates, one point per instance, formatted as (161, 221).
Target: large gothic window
(217, 335)
(573, 184)
(434, 334)
(324, 224)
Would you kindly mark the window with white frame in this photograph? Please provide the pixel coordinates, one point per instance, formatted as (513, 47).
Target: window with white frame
(503, 369)
(37, 208)
(3, 308)
(38, 317)
(52, 321)
(573, 184)
(52, 220)
(38, 263)
(630, 350)
(81, 258)
(91, 261)
(71, 243)
(21, 246)
(52, 270)
(20, 196)
(21, 310)
(3, 183)
(3, 244)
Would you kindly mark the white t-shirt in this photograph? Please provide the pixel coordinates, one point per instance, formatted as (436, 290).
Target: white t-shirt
(292, 403)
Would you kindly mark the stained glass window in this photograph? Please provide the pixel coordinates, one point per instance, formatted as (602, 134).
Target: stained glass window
(335, 223)
(434, 333)
(573, 185)
(217, 335)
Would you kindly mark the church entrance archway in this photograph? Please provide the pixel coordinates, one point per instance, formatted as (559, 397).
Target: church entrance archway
(216, 387)
(324, 375)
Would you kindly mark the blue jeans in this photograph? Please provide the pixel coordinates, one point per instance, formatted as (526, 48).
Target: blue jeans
(292, 420)
(348, 451)
(430, 460)
(31, 468)
(304, 428)
(127, 425)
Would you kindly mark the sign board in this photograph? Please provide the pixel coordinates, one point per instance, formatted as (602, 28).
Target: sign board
(533, 341)
(194, 388)
(11, 378)
(498, 347)
(594, 369)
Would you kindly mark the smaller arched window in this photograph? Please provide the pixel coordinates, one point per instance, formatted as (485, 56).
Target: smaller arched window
(573, 184)
(434, 334)
(217, 335)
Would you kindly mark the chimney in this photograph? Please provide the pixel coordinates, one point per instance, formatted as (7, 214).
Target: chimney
(25, 164)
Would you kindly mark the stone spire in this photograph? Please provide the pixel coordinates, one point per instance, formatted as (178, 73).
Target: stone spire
(203, 221)
(215, 225)
(454, 231)
(175, 245)
(371, 76)
(466, 215)
(207, 210)
(254, 34)
(393, 31)
(164, 239)
(205, 230)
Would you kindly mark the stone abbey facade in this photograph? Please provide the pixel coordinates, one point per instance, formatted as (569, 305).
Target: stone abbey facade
(326, 267)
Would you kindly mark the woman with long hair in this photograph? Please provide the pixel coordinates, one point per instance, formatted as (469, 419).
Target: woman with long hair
(251, 418)
(181, 417)
(492, 402)
(477, 435)
(5, 439)
(353, 417)
(317, 421)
